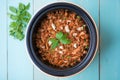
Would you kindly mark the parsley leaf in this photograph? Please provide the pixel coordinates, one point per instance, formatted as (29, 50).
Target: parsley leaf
(20, 18)
(13, 24)
(55, 43)
(21, 6)
(65, 41)
(13, 9)
(13, 17)
(27, 6)
(60, 37)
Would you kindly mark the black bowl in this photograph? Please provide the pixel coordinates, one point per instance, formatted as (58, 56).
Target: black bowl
(32, 51)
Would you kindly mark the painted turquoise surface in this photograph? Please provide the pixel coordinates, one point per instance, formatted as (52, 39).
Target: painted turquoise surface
(15, 64)
(3, 41)
(110, 39)
(19, 67)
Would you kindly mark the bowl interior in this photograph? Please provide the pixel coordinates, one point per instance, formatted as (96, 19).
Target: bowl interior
(33, 50)
(34, 42)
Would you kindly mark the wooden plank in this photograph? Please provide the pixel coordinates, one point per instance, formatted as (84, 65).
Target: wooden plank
(92, 72)
(3, 41)
(110, 39)
(19, 66)
(38, 75)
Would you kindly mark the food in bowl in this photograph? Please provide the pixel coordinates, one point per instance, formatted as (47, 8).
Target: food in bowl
(46, 55)
(62, 38)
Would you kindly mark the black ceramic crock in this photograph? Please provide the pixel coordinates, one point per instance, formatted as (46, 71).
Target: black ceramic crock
(32, 52)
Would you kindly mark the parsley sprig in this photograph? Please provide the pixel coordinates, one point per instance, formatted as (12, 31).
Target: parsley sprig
(20, 18)
(60, 38)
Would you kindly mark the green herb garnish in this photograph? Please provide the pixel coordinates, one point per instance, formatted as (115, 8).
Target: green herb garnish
(84, 40)
(78, 17)
(64, 18)
(20, 18)
(87, 47)
(60, 38)
(59, 35)
(68, 56)
(55, 43)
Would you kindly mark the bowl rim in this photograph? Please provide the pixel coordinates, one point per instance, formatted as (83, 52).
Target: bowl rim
(96, 30)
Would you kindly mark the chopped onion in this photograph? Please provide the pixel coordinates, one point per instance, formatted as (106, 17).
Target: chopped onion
(61, 47)
(49, 42)
(60, 52)
(75, 45)
(80, 28)
(60, 20)
(84, 25)
(67, 29)
(53, 26)
(74, 34)
(43, 46)
(65, 61)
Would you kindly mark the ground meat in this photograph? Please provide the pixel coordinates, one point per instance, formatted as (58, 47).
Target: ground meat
(65, 55)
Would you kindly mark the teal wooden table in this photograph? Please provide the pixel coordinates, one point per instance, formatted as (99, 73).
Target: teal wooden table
(14, 62)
